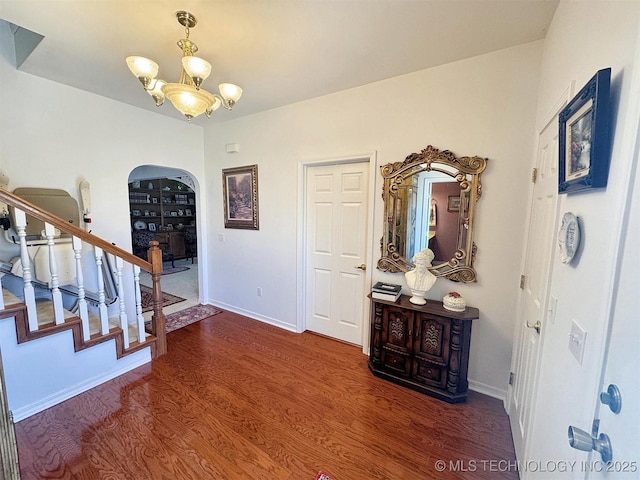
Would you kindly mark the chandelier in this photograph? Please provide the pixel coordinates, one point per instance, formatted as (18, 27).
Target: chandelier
(185, 95)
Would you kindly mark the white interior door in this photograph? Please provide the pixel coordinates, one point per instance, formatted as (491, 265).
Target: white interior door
(336, 234)
(533, 299)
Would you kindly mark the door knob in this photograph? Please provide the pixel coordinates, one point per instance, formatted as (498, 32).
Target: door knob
(581, 440)
(535, 326)
(362, 267)
(613, 398)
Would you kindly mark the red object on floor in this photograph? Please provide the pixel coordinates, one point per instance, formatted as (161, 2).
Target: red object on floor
(323, 476)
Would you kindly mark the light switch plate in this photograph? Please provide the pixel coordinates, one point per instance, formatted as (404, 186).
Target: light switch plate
(577, 340)
(553, 307)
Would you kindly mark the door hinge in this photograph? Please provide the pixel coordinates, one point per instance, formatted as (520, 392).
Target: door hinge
(534, 175)
(522, 280)
(512, 376)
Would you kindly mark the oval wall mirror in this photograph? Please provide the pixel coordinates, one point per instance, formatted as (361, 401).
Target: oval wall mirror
(430, 202)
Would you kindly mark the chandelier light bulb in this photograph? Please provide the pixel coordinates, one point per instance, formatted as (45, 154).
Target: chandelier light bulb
(230, 93)
(143, 68)
(197, 68)
(189, 101)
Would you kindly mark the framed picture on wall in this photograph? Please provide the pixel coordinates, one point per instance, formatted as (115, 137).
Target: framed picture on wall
(240, 190)
(584, 137)
(453, 203)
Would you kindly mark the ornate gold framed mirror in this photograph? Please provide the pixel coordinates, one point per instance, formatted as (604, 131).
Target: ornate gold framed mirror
(430, 202)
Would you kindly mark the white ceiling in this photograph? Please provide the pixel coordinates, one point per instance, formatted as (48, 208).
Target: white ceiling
(278, 51)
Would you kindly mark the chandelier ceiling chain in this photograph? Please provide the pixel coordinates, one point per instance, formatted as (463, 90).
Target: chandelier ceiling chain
(186, 95)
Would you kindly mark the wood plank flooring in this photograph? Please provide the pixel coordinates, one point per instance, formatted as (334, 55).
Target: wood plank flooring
(238, 399)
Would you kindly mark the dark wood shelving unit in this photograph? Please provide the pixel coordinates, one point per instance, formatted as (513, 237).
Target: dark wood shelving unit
(167, 208)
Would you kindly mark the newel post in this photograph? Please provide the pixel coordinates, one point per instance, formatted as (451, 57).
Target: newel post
(154, 255)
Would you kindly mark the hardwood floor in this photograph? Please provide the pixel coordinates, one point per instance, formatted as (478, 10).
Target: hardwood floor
(238, 399)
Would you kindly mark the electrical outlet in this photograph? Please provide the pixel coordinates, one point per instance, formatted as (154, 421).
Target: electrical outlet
(259, 291)
(221, 237)
(577, 340)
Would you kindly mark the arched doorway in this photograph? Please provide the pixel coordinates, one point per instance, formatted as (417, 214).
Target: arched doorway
(163, 207)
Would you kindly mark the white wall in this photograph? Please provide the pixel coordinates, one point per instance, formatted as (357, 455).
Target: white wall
(54, 136)
(482, 106)
(46, 371)
(580, 42)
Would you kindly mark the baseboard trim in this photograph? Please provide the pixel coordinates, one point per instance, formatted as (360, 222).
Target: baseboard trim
(488, 390)
(125, 365)
(256, 316)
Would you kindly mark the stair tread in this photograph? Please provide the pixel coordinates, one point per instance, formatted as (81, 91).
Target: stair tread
(44, 311)
(9, 298)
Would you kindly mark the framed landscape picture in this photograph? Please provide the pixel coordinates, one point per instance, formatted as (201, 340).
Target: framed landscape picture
(584, 137)
(240, 190)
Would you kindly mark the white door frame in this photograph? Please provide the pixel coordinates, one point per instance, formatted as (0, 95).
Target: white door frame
(303, 166)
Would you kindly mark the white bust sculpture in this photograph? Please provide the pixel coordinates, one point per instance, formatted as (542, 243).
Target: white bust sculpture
(420, 279)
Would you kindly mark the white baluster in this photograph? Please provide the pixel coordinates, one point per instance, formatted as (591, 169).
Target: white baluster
(124, 323)
(83, 312)
(142, 334)
(102, 307)
(56, 296)
(29, 294)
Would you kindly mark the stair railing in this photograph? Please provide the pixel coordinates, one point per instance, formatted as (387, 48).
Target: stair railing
(153, 265)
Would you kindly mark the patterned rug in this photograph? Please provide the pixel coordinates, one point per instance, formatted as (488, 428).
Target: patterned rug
(169, 271)
(190, 315)
(147, 298)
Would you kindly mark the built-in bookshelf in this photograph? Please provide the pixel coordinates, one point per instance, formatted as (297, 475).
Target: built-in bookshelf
(161, 205)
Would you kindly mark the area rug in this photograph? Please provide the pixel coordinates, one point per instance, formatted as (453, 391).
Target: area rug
(169, 271)
(147, 298)
(323, 476)
(189, 315)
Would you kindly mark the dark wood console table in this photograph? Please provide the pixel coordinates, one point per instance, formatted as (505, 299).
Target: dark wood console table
(423, 347)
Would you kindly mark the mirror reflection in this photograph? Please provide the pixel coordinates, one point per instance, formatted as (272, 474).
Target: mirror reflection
(431, 216)
(430, 203)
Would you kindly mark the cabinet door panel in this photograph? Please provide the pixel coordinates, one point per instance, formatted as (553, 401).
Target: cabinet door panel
(432, 338)
(397, 329)
(397, 335)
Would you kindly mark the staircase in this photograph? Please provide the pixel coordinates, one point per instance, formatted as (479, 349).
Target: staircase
(91, 320)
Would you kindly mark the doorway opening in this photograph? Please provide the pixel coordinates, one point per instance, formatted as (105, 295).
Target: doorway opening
(163, 207)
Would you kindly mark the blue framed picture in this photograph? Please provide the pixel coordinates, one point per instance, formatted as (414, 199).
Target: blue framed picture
(584, 137)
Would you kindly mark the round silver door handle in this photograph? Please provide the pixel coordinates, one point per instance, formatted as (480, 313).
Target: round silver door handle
(361, 267)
